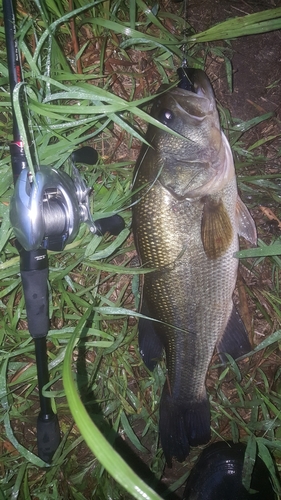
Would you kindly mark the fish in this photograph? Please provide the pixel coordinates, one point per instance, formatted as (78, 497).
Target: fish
(186, 218)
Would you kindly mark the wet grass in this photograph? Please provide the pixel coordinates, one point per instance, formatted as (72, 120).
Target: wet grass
(107, 395)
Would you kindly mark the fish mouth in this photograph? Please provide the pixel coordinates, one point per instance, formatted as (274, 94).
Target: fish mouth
(196, 81)
(195, 98)
(195, 86)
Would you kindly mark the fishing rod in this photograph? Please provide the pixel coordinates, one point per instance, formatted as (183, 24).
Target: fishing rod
(46, 212)
(33, 264)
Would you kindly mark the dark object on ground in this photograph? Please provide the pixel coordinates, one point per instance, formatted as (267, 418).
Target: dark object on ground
(218, 476)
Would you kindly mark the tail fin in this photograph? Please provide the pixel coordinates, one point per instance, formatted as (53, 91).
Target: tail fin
(181, 425)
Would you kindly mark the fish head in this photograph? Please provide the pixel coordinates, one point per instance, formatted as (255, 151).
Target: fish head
(193, 115)
(198, 160)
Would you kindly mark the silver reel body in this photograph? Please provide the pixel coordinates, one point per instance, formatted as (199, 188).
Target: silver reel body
(47, 211)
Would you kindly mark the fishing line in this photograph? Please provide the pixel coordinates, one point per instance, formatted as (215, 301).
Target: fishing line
(184, 48)
(183, 73)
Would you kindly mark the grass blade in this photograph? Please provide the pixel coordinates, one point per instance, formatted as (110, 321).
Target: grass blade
(104, 452)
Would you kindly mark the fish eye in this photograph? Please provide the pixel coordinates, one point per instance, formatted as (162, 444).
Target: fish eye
(166, 116)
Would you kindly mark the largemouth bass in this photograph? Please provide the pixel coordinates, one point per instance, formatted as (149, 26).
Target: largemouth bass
(186, 219)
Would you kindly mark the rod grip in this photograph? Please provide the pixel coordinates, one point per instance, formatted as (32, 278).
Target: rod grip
(35, 287)
(48, 436)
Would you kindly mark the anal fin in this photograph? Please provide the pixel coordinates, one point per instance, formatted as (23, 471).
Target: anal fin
(150, 345)
(235, 339)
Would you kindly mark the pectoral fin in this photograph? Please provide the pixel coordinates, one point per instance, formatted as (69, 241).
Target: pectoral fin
(235, 338)
(216, 228)
(246, 225)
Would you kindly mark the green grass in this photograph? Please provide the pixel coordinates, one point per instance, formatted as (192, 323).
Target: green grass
(107, 395)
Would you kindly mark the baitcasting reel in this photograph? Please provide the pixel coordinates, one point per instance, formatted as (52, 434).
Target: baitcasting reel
(47, 211)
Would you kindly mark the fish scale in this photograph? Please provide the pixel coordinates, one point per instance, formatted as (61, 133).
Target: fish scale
(186, 217)
(203, 281)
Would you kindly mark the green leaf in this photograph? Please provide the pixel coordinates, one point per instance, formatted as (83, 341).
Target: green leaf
(261, 251)
(251, 24)
(249, 462)
(104, 452)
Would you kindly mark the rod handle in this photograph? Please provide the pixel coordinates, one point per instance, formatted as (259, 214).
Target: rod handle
(48, 436)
